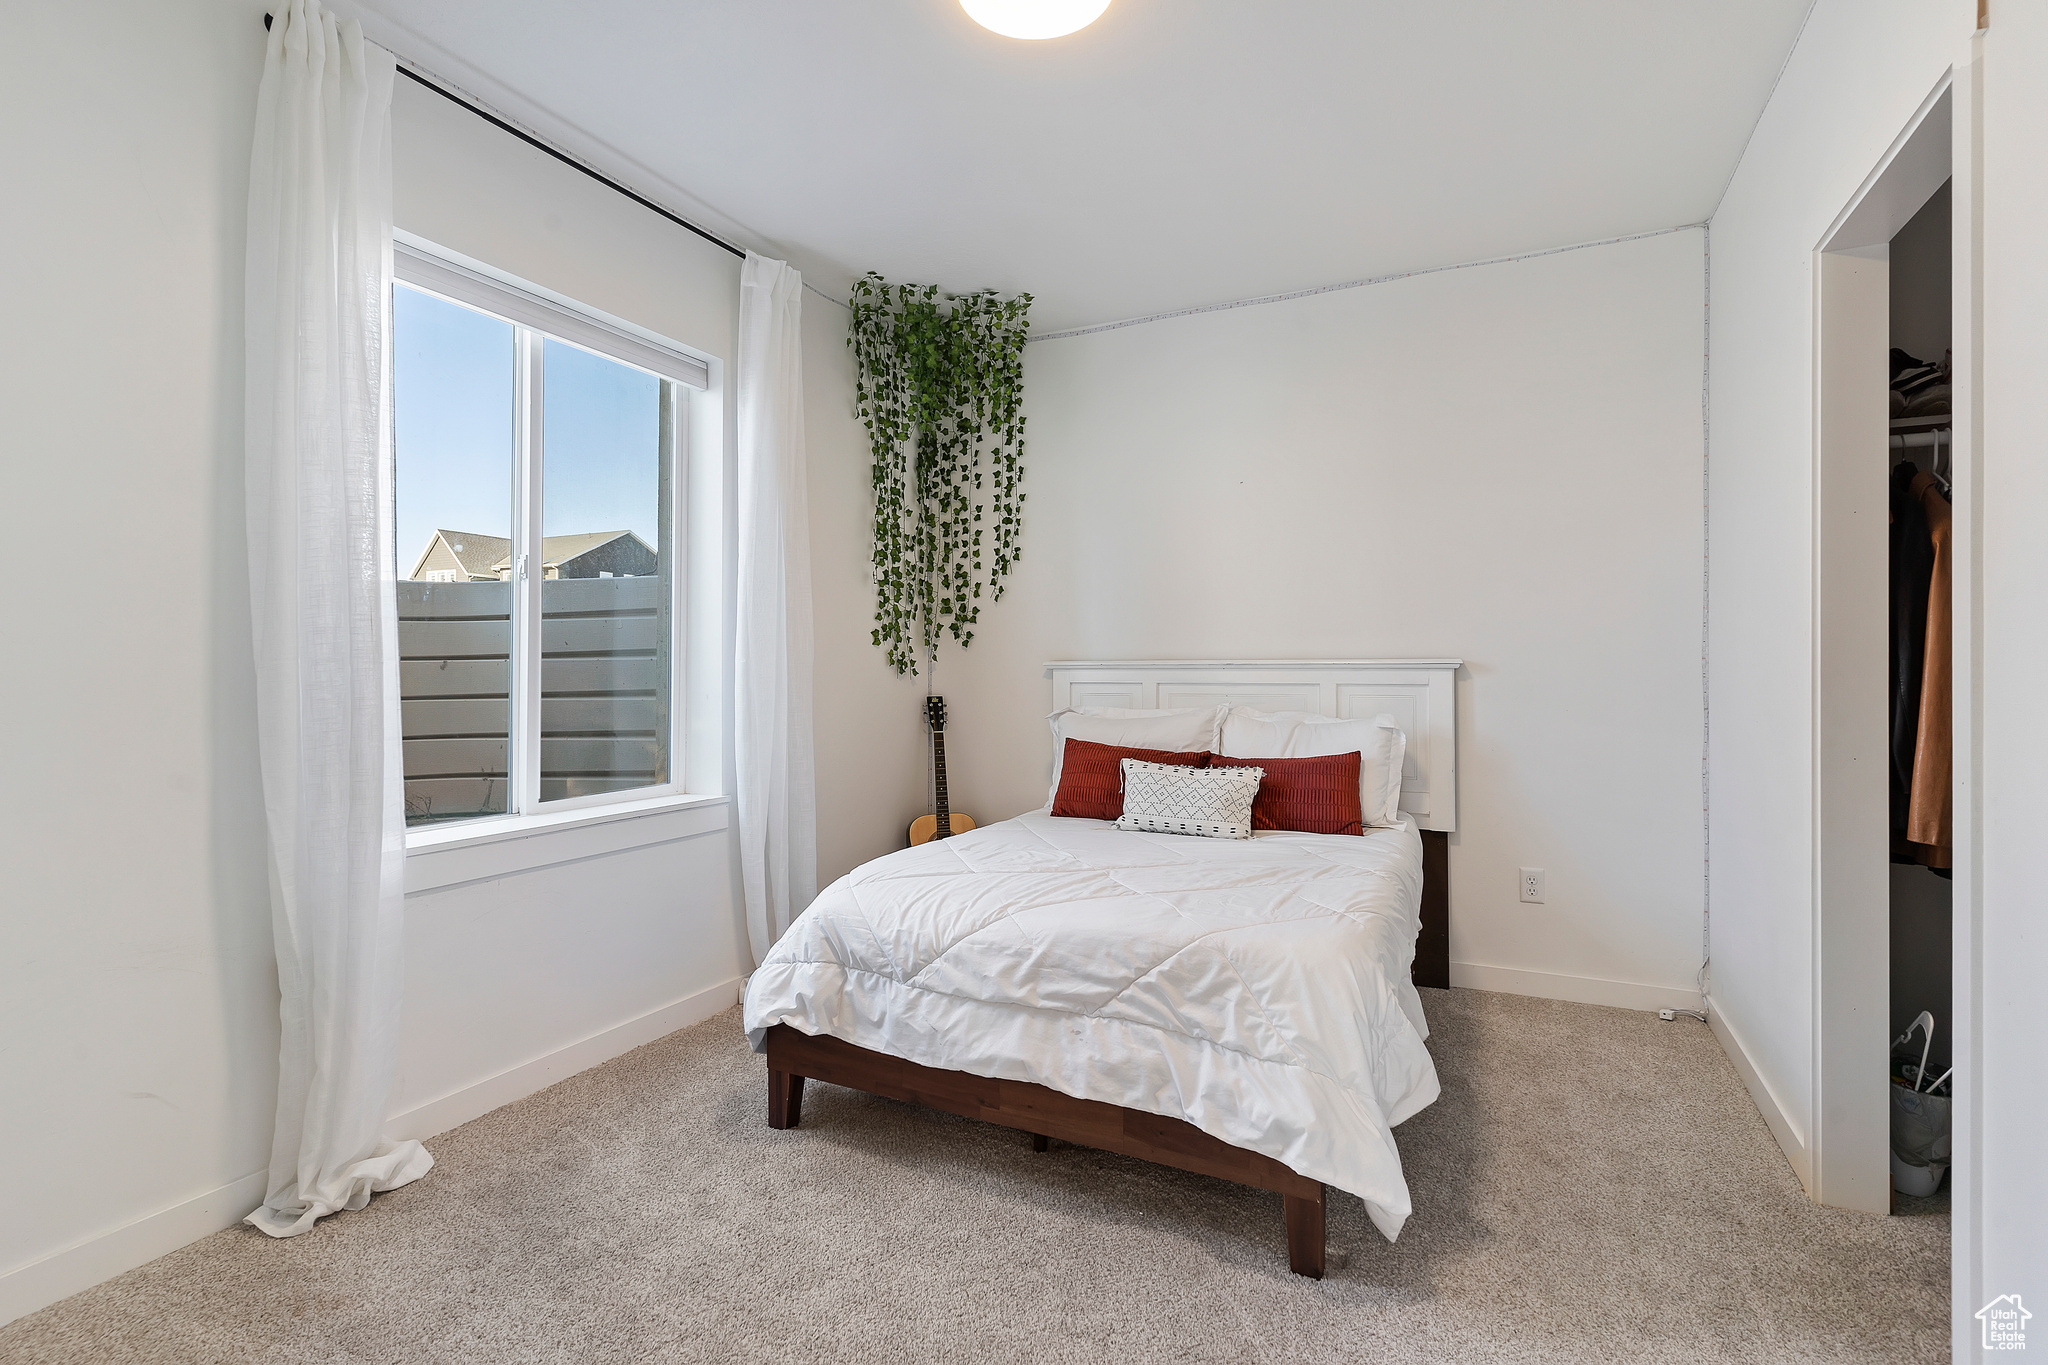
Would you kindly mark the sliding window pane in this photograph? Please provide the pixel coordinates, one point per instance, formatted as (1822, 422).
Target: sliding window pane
(605, 556)
(453, 398)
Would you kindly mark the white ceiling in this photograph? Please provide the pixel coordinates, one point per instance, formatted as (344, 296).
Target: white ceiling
(1177, 152)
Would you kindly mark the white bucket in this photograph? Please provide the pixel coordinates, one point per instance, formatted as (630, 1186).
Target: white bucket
(1918, 1181)
(1920, 1140)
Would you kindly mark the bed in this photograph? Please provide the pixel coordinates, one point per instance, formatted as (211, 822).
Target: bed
(1242, 1009)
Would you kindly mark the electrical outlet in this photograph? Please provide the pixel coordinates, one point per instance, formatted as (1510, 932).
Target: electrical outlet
(1667, 1015)
(1532, 885)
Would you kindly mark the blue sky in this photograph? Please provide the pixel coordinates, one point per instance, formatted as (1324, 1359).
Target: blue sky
(452, 396)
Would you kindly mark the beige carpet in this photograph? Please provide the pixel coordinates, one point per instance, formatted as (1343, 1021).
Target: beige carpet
(1594, 1185)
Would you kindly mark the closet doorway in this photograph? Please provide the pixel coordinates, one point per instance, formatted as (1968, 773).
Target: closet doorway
(1883, 933)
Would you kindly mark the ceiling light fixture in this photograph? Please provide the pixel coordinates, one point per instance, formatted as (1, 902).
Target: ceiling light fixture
(1034, 18)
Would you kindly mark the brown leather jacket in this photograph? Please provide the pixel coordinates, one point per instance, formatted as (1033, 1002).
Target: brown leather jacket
(1929, 819)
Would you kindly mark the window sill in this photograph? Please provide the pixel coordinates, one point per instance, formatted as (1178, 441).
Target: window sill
(440, 858)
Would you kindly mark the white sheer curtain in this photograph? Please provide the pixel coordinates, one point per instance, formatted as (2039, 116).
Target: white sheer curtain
(776, 793)
(326, 629)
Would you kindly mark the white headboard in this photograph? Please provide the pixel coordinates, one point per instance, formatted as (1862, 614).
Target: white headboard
(1421, 694)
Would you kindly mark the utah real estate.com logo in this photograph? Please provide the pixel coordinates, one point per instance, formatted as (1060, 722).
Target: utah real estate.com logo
(2005, 1323)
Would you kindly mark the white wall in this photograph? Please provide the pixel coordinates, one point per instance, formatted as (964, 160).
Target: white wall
(137, 987)
(1500, 464)
(137, 990)
(504, 971)
(2006, 1251)
(1921, 309)
(464, 184)
(1855, 80)
(873, 772)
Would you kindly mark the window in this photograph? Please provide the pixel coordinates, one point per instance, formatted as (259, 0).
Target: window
(538, 449)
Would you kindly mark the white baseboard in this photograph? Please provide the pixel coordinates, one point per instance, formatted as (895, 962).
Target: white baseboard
(61, 1274)
(81, 1266)
(1584, 990)
(1790, 1140)
(495, 1092)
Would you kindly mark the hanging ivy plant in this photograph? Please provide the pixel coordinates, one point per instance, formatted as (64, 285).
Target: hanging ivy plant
(940, 388)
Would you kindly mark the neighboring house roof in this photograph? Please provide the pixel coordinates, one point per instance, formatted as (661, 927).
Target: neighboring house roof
(559, 550)
(484, 556)
(479, 555)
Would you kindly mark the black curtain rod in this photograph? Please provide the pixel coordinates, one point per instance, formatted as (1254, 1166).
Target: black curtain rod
(488, 117)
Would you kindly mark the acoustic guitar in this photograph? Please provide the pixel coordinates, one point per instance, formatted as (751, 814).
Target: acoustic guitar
(944, 821)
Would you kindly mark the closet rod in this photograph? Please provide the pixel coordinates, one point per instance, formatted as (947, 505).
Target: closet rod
(1901, 440)
(600, 177)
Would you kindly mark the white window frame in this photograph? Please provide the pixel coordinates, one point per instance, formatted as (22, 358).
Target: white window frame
(538, 315)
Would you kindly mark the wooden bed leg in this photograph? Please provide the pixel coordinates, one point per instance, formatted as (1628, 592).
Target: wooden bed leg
(1040, 1142)
(785, 1099)
(1305, 1234)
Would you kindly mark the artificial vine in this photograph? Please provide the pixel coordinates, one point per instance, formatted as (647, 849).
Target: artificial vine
(940, 388)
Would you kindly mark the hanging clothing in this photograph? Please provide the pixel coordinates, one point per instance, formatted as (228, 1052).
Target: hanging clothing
(1930, 815)
(1919, 388)
(1912, 568)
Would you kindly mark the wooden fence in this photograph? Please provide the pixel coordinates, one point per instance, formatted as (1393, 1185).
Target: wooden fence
(604, 693)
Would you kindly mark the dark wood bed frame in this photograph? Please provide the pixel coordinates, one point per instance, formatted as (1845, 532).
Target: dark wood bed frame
(1046, 1114)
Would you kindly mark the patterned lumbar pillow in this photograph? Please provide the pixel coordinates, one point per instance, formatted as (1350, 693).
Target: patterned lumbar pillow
(1215, 803)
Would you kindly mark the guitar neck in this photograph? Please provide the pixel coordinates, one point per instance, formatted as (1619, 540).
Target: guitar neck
(941, 809)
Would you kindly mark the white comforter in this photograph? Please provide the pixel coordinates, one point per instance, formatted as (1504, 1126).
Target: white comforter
(1257, 988)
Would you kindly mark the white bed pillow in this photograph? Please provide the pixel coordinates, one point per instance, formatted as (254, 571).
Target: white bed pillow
(1211, 803)
(1188, 731)
(1381, 745)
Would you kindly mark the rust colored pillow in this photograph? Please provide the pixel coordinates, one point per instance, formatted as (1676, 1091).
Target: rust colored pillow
(1092, 777)
(1308, 795)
